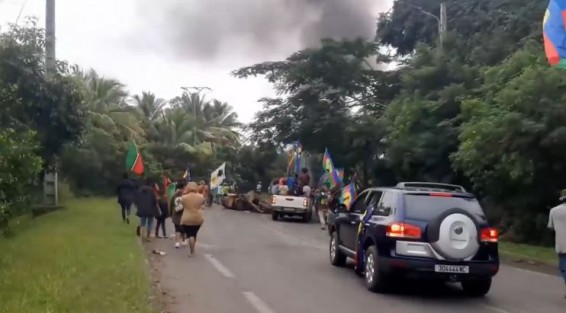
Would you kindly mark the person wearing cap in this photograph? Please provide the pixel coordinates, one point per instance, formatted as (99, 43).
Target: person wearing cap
(557, 222)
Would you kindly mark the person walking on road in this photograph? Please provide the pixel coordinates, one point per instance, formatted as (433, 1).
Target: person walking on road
(557, 222)
(176, 211)
(164, 208)
(193, 217)
(321, 205)
(204, 191)
(125, 192)
(147, 209)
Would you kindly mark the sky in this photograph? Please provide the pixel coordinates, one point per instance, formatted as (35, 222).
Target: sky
(163, 45)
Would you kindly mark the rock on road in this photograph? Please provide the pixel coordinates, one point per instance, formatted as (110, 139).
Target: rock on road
(247, 263)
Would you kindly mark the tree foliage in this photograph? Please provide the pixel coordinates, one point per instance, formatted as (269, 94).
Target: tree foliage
(483, 110)
(83, 121)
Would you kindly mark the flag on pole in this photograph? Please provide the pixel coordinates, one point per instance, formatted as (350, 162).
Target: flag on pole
(166, 183)
(348, 195)
(134, 160)
(331, 171)
(171, 191)
(298, 148)
(554, 33)
(217, 176)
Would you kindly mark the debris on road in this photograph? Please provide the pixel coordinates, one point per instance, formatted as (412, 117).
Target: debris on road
(246, 202)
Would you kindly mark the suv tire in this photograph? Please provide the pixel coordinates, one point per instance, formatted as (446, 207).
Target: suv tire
(275, 215)
(476, 288)
(375, 279)
(337, 257)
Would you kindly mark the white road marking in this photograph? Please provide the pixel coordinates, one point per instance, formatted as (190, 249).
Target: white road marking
(257, 303)
(207, 246)
(219, 266)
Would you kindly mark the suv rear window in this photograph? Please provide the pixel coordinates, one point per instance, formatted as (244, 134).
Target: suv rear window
(426, 208)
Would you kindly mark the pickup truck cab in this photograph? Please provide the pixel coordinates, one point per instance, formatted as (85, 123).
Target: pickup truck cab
(284, 206)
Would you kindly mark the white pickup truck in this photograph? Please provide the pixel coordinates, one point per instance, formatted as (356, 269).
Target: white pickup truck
(283, 206)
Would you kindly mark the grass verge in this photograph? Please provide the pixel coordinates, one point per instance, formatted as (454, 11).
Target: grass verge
(526, 253)
(79, 259)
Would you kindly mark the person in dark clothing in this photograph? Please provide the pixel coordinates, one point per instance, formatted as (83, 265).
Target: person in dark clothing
(125, 192)
(164, 208)
(304, 178)
(147, 208)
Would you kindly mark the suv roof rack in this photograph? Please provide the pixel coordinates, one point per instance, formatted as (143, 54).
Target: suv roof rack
(428, 186)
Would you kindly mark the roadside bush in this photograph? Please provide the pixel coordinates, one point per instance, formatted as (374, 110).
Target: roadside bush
(20, 166)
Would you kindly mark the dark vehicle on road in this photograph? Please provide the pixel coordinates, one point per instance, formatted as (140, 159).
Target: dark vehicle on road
(417, 231)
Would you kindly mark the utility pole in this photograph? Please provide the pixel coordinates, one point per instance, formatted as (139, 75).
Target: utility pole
(198, 91)
(50, 60)
(442, 19)
(442, 23)
(50, 193)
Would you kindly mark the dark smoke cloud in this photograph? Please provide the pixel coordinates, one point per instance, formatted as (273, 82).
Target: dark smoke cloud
(203, 29)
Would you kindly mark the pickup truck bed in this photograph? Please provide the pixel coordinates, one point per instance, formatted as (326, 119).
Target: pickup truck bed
(283, 206)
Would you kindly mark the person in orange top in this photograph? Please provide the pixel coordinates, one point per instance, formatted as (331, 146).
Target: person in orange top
(203, 190)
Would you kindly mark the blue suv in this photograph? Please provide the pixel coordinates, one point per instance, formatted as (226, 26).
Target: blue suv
(416, 231)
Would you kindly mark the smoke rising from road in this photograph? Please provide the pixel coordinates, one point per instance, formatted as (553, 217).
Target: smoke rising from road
(205, 29)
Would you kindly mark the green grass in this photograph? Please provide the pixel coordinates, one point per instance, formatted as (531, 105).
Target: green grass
(79, 259)
(527, 253)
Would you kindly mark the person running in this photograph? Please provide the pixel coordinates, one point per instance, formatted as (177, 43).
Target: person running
(176, 211)
(125, 192)
(147, 209)
(193, 217)
(164, 208)
(557, 222)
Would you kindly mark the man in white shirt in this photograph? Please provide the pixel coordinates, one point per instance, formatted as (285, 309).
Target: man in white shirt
(557, 222)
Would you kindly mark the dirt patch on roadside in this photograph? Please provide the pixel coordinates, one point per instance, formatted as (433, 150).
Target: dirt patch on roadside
(161, 298)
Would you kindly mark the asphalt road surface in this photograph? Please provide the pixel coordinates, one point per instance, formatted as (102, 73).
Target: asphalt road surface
(247, 263)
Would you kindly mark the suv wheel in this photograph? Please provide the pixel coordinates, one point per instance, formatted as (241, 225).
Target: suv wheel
(375, 279)
(476, 288)
(275, 215)
(337, 257)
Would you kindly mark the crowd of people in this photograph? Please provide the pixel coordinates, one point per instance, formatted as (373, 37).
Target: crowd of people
(153, 204)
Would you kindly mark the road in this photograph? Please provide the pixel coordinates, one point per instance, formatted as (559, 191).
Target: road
(248, 263)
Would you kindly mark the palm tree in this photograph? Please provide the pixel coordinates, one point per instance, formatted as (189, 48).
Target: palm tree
(107, 107)
(149, 105)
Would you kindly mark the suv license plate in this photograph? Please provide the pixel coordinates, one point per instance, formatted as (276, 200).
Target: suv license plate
(456, 269)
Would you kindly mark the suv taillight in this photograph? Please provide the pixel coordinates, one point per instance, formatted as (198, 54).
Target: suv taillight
(305, 202)
(489, 235)
(272, 200)
(402, 230)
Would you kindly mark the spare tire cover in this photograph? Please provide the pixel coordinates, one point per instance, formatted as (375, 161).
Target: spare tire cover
(457, 237)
